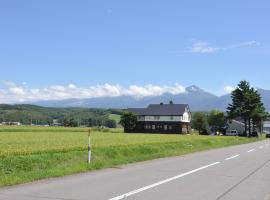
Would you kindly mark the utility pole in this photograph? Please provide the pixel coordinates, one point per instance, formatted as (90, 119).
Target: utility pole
(89, 146)
(79, 122)
(31, 120)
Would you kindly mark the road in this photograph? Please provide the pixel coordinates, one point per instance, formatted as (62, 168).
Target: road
(239, 172)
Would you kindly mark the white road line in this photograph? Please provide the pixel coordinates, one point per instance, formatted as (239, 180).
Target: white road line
(232, 157)
(260, 147)
(249, 151)
(162, 182)
(267, 144)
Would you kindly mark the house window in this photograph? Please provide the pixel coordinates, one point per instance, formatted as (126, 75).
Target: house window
(141, 118)
(170, 127)
(165, 127)
(157, 117)
(153, 127)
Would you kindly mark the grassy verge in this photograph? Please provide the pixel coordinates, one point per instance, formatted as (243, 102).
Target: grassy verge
(27, 156)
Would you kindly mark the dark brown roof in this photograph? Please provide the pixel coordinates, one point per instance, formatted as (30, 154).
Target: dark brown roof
(158, 109)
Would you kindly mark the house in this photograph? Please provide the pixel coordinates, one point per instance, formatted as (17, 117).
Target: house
(11, 123)
(56, 123)
(162, 118)
(236, 125)
(266, 127)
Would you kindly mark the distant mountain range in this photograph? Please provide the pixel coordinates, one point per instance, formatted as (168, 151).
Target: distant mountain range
(197, 98)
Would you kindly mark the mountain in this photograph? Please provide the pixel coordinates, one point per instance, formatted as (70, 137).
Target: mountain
(197, 98)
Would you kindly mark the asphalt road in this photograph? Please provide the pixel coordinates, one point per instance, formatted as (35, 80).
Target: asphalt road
(239, 172)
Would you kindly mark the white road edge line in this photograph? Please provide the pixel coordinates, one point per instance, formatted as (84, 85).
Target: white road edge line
(232, 157)
(249, 151)
(261, 147)
(162, 182)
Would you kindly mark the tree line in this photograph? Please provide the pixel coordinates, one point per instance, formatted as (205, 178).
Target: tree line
(246, 106)
(37, 115)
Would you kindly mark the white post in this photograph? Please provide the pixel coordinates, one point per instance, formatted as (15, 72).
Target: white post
(89, 146)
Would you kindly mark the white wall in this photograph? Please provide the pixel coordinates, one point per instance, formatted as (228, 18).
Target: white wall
(184, 118)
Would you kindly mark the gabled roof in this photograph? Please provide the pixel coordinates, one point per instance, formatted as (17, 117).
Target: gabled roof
(161, 109)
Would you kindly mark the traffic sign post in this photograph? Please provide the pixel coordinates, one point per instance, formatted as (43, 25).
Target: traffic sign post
(89, 146)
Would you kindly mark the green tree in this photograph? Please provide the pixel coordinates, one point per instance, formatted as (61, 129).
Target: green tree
(199, 122)
(216, 120)
(258, 113)
(247, 104)
(70, 122)
(128, 121)
(110, 123)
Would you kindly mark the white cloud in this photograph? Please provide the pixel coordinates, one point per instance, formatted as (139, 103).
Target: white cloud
(202, 47)
(228, 89)
(11, 92)
(243, 44)
(17, 91)
(71, 86)
(206, 48)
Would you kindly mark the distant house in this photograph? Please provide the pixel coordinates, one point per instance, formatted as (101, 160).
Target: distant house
(236, 125)
(163, 118)
(56, 123)
(266, 127)
(11, 123)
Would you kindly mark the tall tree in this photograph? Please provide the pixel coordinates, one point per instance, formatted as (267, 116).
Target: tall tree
(237, 107)
(258, 113)
(247, 104)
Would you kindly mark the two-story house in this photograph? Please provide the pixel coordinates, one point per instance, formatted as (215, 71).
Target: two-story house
(163, 118)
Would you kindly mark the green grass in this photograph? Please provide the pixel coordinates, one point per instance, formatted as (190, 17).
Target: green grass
(115, 117)
(33, 153)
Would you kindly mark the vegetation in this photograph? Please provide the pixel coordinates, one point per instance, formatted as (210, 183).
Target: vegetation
(199, 122)
(128, 121)
(115, 117)
(32, 153)
(217, 121)
(30, 114)
(247, 104)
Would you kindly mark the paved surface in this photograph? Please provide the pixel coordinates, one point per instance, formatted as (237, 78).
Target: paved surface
(239, 172)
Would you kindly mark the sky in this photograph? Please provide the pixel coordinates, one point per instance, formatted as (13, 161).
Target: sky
(61, 49)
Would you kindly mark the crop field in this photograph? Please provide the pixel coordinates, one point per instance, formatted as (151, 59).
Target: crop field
(32, 153)
(115, 117)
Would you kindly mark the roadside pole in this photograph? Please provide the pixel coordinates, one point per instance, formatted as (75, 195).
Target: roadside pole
(89, 146)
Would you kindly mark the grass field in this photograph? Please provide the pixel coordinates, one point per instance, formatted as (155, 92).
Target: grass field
(115, 117)
(32, 153)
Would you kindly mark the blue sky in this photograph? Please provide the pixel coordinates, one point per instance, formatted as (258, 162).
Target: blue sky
(211, 44)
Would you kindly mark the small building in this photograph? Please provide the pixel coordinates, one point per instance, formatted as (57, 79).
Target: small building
(266, 127)
(162, 118)
(236, 124)
(56, 123)
(11, 123)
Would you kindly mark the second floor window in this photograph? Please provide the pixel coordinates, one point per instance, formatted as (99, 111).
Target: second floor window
(157, 117)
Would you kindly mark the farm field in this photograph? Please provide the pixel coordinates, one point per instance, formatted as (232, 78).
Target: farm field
(33, 153)
(115, 117)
